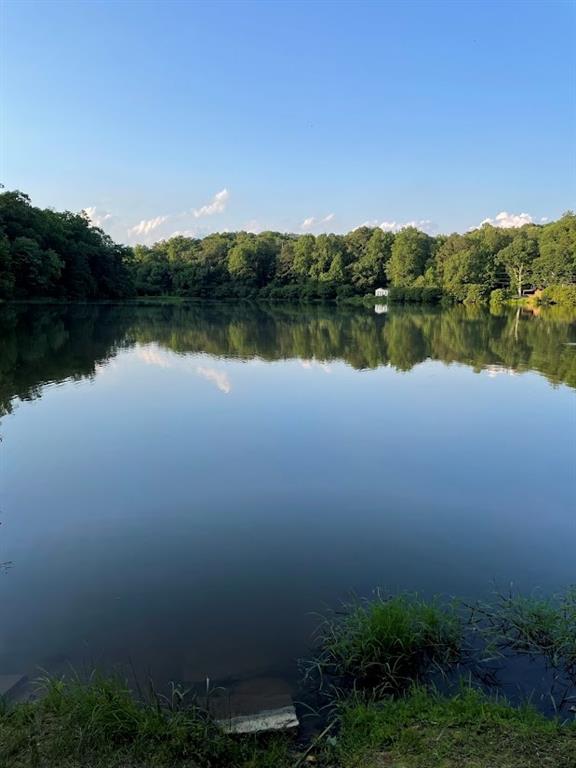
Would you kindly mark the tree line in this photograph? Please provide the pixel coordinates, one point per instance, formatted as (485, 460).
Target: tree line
(44, 253)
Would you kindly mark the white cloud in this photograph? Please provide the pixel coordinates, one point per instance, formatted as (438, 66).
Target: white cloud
(216, 205)
(146, 226)
(313, 363)
(498, 370)
(97, 218)
(252, 226)
(185, 233)
(312, 221)
(508, 220)
(425, 225)
(152, 355)
(220, 378)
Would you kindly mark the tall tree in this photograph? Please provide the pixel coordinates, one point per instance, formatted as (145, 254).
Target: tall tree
(557, 261)
(369, 270)
(463, 260)
(243, 260)
(304, 254)
(409, 258)
(518, 258)
(6, 273)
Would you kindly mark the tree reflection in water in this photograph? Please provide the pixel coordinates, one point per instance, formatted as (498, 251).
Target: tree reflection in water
(50, 343)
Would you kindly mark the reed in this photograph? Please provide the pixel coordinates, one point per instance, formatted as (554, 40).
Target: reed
(385, 644)
(99, 722)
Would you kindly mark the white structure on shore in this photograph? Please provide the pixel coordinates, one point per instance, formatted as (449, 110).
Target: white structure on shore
(381, 291)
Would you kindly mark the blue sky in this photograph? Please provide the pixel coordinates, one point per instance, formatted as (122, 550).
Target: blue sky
(194, 117)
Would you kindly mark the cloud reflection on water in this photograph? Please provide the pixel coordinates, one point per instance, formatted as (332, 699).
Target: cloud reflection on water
(153, 355)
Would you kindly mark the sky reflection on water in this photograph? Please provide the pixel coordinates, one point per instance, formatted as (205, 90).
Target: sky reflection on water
(181, 488)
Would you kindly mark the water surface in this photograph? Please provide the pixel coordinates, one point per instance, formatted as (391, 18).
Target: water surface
(181, 485)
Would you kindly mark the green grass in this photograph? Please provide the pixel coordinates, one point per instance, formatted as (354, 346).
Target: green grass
(386, 644)
(101, 724)
(377, 655)
(426, 730)
(532, 626)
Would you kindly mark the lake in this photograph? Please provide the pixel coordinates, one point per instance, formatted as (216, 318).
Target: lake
(182, 486)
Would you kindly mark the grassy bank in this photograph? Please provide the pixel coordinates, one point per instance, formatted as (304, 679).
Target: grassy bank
(374, 667)
(426, 730)
(560, 299)
(99, 724)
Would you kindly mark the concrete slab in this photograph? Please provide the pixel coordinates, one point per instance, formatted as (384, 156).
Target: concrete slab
(282, 719)
(254, 706)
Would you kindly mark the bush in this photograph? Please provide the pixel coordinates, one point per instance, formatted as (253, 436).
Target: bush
(559, 294)
(99, 722)
(498, 296)
(431, 295)
(345, 291)
(386, 644)
(475, 294)
(414, 295)
(326, 291)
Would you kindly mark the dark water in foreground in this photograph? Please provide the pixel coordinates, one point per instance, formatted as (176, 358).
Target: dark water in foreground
(180, 486)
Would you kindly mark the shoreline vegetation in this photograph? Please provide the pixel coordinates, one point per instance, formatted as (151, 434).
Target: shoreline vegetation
(45, 254)
(389, 671)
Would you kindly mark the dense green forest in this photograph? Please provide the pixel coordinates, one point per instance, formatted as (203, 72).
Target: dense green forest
(44, 253)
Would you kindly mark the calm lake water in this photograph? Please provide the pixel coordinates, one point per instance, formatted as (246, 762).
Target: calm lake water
(180, 486)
